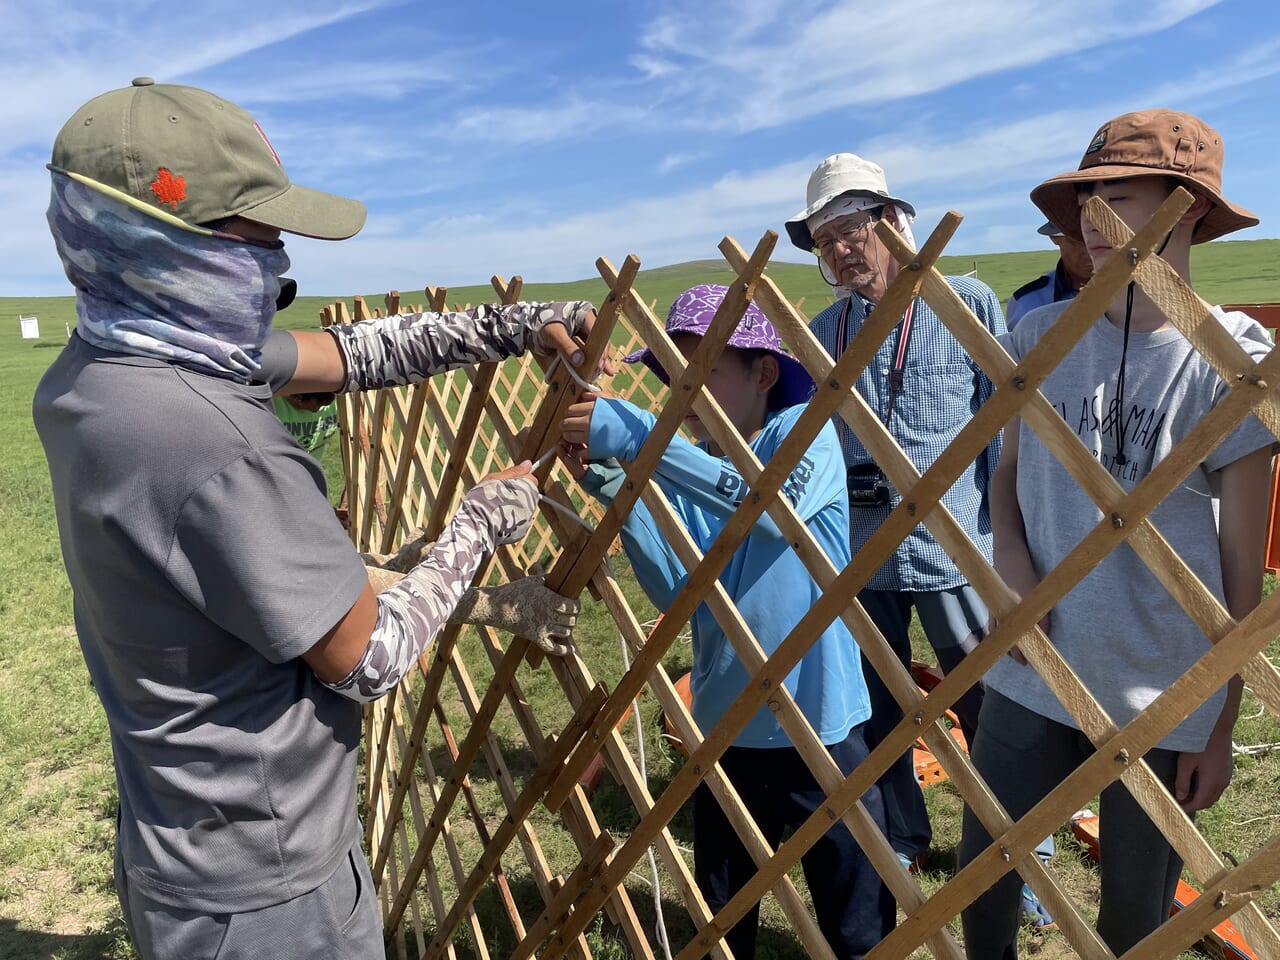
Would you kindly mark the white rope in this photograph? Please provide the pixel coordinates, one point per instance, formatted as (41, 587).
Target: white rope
(558, 359)
(1253, 750)
(546, 378)
(537, 464)
(561, 508)
(660, 923)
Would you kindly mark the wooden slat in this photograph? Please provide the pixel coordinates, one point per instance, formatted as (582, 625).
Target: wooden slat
(749, 653)
(480, 445)
(766, 681)
(506, 831)
(576, 680)
(722, 326)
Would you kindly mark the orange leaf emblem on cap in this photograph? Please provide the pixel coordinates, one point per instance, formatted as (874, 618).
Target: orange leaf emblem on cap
(168, 188)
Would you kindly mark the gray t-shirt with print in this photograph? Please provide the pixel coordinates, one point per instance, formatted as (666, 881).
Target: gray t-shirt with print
(205, 559)
(1121, 632)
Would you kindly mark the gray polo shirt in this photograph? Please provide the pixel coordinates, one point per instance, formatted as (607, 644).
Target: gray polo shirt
(205, 559)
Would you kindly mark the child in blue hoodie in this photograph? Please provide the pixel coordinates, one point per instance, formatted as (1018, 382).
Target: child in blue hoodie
(762, 391)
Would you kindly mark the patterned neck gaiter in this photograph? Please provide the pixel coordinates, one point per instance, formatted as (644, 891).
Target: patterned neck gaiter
(150, 288)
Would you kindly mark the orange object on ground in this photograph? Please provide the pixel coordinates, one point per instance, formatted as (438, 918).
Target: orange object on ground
(1223, 942)
(1273, 524)
(686, 694)
(591, 776)
(928, 770)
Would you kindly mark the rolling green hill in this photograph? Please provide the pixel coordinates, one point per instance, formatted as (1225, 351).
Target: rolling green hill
(1241, 271)
(1236, 271)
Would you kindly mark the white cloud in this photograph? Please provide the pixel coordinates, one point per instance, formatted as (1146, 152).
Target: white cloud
(661, 229)
(776, 63)
(651, 67)
(674, 161)
(359, 81)
(571, 117)
(753, 87)
(66, 53)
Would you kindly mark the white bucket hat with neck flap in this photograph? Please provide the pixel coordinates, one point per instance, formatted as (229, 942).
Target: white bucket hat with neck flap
(843, 175)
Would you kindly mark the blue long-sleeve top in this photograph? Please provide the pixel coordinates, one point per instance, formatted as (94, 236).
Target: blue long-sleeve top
(765, 578)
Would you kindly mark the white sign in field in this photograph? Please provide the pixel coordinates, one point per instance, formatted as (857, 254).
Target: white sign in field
(30, 327)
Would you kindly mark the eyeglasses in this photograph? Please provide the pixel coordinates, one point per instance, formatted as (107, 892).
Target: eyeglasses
(848, 234)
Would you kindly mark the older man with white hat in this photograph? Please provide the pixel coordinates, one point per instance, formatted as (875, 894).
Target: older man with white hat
(924, 387)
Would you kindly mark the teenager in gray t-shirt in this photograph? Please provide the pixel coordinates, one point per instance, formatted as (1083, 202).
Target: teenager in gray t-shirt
(1131, 389)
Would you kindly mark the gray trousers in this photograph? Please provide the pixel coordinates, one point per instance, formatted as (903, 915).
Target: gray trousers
(339, 920)
(1023, 756)
(954, 620)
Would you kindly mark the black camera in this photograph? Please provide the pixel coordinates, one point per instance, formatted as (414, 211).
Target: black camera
(867, 486)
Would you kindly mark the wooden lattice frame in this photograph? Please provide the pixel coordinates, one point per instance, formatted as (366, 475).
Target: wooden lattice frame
(401, 477)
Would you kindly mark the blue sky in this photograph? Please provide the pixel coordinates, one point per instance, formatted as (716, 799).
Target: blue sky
(532, 138)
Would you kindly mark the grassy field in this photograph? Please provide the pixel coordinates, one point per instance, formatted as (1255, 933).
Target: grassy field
(57, 790)
(1241, 271)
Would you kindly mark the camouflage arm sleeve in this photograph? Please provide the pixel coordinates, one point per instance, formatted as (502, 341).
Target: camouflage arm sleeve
(411, 612)
(406, 348)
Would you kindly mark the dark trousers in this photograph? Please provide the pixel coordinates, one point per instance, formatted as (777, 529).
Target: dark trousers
(954, 621)
(854, 908)
(1023, 756)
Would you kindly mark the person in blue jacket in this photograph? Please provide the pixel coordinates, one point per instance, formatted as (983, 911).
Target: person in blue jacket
(1063, 282)
(762, 391)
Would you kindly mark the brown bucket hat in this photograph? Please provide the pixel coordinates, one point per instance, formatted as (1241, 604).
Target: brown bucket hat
(1149, 143)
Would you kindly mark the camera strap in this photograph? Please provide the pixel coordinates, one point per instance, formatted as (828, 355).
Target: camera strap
(897, 373)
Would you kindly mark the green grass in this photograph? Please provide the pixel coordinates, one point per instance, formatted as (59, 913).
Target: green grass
(1229, 271)
(57, 789)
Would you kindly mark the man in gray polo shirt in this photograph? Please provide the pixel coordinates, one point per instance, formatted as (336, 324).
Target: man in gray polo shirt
(227, 622)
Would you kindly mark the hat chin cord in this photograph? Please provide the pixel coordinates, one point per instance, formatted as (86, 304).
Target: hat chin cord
(1122, 422)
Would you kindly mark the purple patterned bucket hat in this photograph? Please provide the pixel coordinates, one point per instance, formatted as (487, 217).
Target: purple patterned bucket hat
(693, 311)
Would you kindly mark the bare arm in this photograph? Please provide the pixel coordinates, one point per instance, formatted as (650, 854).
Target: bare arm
(320, 368)
(1203, 776)
(1010, 555)
(339, 650)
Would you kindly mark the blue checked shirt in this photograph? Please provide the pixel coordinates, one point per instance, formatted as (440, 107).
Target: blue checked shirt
(942, 388)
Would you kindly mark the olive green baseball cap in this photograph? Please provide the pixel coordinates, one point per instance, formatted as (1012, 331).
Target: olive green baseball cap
(190, 154)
